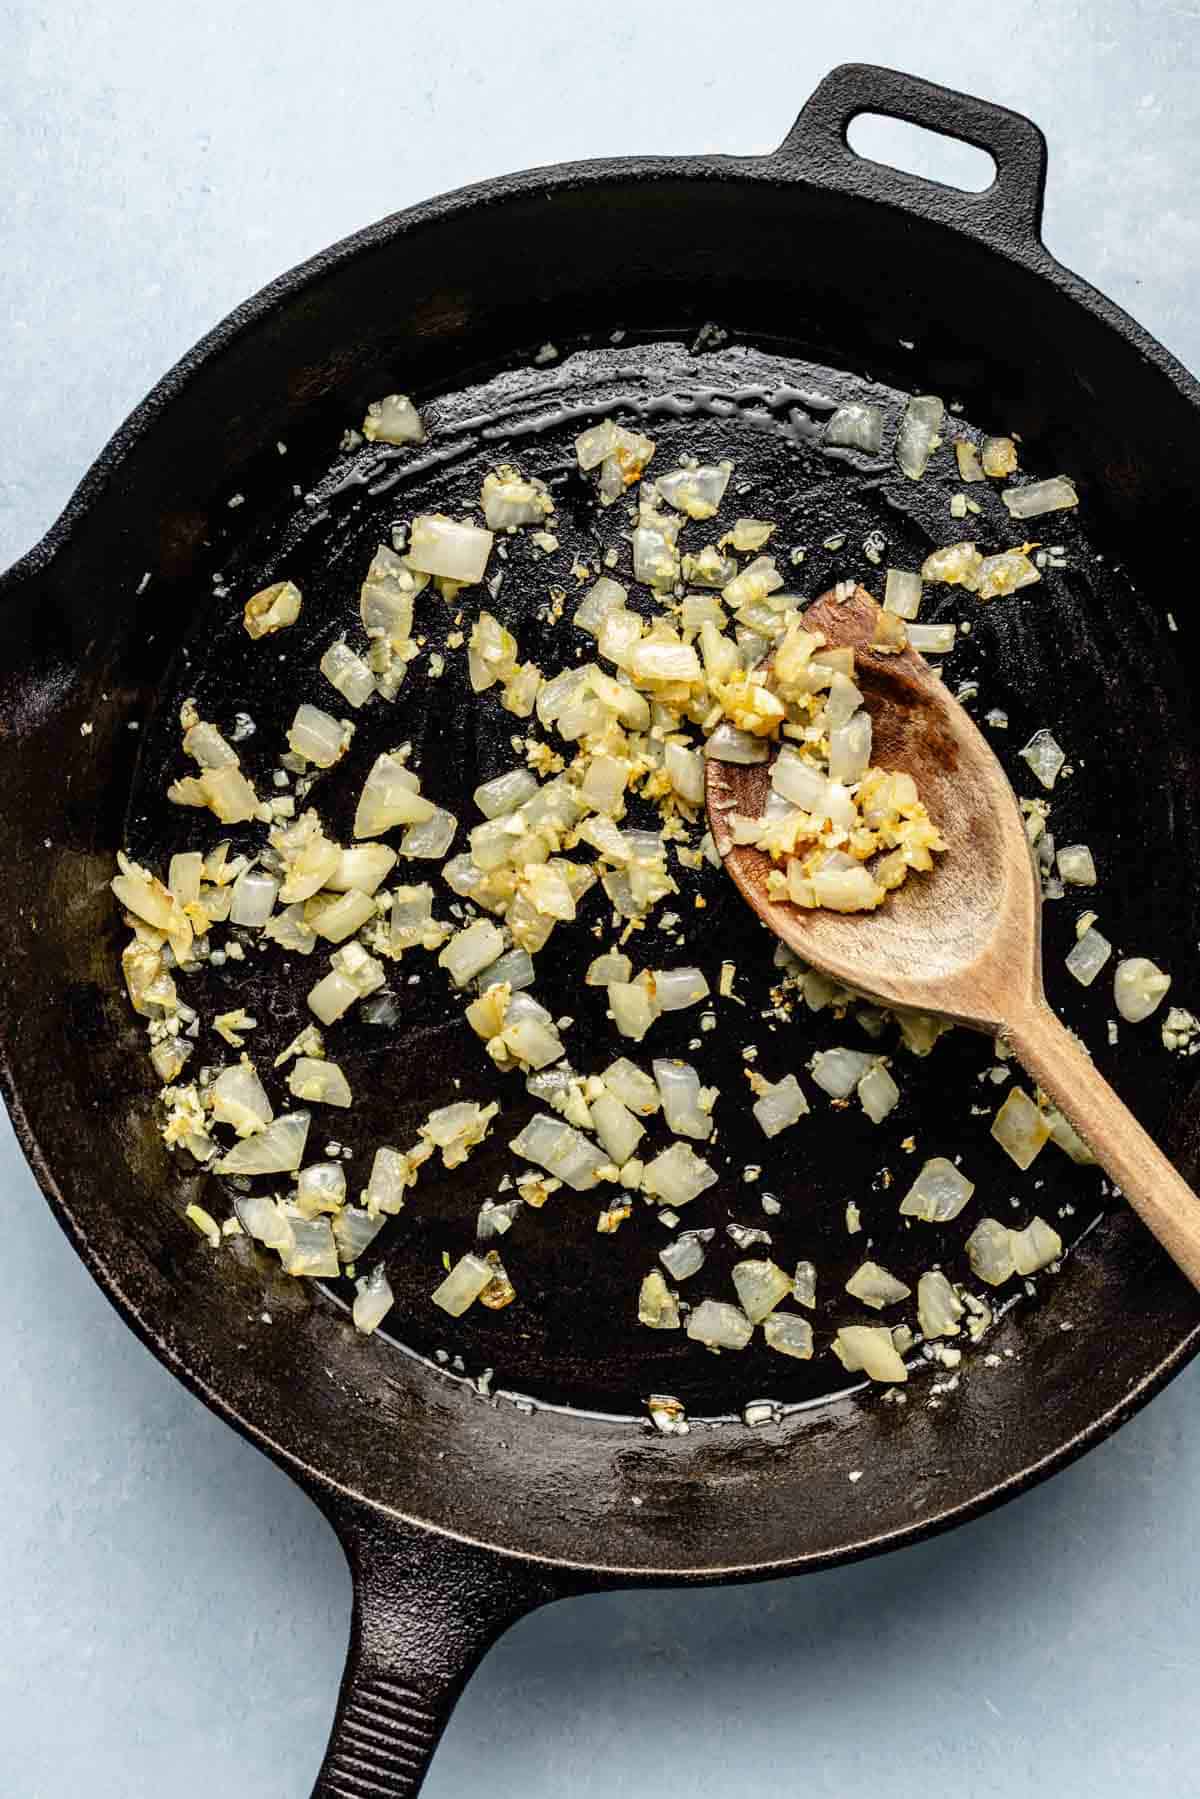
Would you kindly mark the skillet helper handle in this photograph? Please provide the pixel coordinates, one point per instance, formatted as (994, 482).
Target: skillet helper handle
(426, 1610)
(1008, 212)
(1154, 1188)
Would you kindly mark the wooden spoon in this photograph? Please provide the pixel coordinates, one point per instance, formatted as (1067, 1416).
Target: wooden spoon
(964, 940)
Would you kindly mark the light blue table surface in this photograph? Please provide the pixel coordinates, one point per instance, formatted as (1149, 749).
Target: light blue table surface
(175, 1613)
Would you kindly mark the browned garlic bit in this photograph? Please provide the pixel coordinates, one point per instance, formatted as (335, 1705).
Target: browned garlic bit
(671, 678)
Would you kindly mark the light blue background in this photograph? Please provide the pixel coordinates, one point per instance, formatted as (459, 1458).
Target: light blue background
(175, 1613)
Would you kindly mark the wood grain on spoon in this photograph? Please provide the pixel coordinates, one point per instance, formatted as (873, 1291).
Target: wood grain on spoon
(965, 939)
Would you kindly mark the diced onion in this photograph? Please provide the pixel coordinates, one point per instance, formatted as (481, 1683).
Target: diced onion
(393, 420)
(696, 491)
(956, 565)
(607, 969)
(499, 797)
(728, 744)
(1139, 988)
(658, 1308)
(679, 1088)
(719, 1326)
(317, 737)
(632, 1007)
(363, 868)
(1055, 495)
(346, 671)
(319, 1082)
(391, 1175)
(876, 1287)
(969, 466)
(939, 1308)
(463, 1285)
(677, 988)
(760, 1285)
(373, 1299)
(1088, 956)
(616, 1127)
(918, 434)
(321, 1187)
(471, 950)
(432, 837)
(838, 1071)
(990, 1252)
(789, 1335)
(340, 918)
(390, 796)
(932, 640)
(869, 1349)
(441, 546)
(938, 1194)
(902, 593)
(686, 771)
(509, 499)
(855, 426)
(1019, 1128)
(632, 1086)
(1076, 865)
(684, 1257)
(677, 1176)
(272, 609)
(878, 1093)
(1035, 1247)
(277, 1150)
(240, 1099)
(780, 1106)
(562, 1150)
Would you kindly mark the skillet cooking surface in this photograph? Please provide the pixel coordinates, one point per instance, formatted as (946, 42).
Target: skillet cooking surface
(1083, 653)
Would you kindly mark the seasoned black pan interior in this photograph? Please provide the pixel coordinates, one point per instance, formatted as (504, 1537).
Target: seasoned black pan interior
(1085, 653)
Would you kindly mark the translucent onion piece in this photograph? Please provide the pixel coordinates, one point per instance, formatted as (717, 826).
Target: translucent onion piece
(471, 950)
(685, 769)
(264, 1219)
(346, 671)
(499, 797)
(696, 491)
(902, 593)
(616, 1127)
(780, 1106)
(719, 1326)
(1055, 495)
(602, 600)
(680, 1091)
(341, 917)
(317, 737)
(561, 1150)
(1064, 1134)
(1088, 956)
(685, 1256)
(290, 931)
(272, 609)
(878, 1093)
(956, 565)
(312, 1251)
(1020, 1129)
(319, 1082)
(658, 1307)
(240, 1099)
(1035, 1247)
(373, 1299)
(390, 796)
(868, 1348)
(1006, 573)
(607, 969)
(804, 1284)
(760, 1285)
(1139, 988)
(321, 1187)
(728, 744)
(855, 427)
(939, 1308)
(1076, 865)
(463, 1285)
(918, 434)
(664, 660)
(391, 1175)
(789, 1335)
(456, 1129)
(632, 1006)
(677, 1176)
(677, 988)
(277, 1150)
(508, 499)
(514, 969)
(438, 545)
(385, 601)
(938, 1194)
(632, 1086)
(430, 839)
(932, 640)
(990, 1252)
(850, 750)
(363, 868)
(184, 875)
(838, 1071)
(876, 1287)
(393, 420)
(969, 466)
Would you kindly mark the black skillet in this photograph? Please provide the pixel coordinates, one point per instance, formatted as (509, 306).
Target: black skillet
(829, 276)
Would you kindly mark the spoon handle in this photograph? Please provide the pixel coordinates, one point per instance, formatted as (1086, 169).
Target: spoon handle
(1158, 1194)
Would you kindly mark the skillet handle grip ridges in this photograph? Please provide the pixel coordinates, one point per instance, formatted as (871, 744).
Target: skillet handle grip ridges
(1009, 212)
(426, 1610)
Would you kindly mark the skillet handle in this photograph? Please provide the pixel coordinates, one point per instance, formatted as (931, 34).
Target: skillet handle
(426, 1610)
(1008, 212)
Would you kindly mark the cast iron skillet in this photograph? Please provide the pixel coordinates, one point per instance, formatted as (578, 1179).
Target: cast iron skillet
(829, 273)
